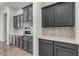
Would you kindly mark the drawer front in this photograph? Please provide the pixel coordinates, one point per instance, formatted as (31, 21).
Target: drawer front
(66, 45)
(45, 41)
(60, 51)
(27, 38)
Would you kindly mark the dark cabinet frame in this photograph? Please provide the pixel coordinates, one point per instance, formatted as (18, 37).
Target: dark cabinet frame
(17, 21)
(45, 49)
(24, 42)
(30, 46)
(73, 15)
(59, 4)
(62, 50)
(48, 16)
(28, 43)
(57, 48)
(25, 45)
(27, 7)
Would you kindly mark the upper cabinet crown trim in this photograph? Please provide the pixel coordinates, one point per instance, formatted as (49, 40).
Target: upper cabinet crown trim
(28, 6)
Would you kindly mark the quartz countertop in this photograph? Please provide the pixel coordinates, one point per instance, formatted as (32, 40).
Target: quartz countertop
(60, 39)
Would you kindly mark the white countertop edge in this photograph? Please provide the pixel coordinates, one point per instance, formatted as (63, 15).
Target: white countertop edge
(72, 41)
(20, 34)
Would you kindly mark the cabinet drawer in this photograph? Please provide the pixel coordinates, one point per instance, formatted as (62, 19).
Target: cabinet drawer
(60, 51)
(45, 41)
(27, 38)
(66, 45)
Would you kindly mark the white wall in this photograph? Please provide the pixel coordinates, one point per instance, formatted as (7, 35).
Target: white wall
(1, 26)
(10, 13)
(36, 27)
(20, 11)
(77, 22)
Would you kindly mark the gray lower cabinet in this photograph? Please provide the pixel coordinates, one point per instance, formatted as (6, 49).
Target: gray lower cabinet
(30, 45)
(45, 49)
(25, 44)
(16, 41)
(20, 41)
(60, 51)
(55, 48)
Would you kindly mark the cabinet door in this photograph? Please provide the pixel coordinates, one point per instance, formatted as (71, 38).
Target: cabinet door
(64, 14)
(30, 12)
(20, 41)
(16, 40)
(15, 22)
(51, 16)
(25, 14)
(18, 20)
(48, 16)
(60, 51)
(45, 49)
(25, 44)
(30, 45)
(21, 21)
(45, 21)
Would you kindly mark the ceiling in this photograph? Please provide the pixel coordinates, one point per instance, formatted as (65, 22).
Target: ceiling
(16, 5)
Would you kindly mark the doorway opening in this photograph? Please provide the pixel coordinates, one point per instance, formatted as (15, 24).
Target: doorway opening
(5, 27)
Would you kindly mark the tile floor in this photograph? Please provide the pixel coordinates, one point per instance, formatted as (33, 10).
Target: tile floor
(6, 50)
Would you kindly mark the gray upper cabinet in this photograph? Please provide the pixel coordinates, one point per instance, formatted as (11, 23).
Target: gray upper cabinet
(21, 21)
(45, 21)
(48, 16)
(28, 13)
(64, 14)
(14, 22)
(59, 15)
(18, 21)
(25, 14)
